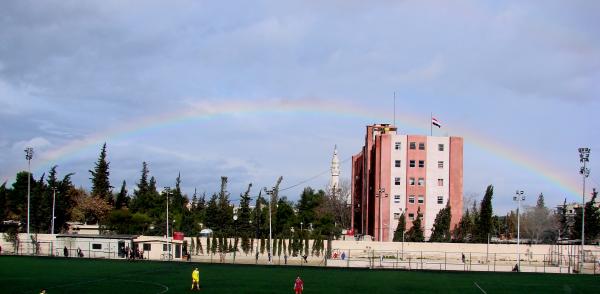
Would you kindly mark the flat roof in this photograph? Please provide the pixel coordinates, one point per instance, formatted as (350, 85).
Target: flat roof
(130, 237)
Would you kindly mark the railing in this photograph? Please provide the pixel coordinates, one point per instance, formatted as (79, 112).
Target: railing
(464, 261)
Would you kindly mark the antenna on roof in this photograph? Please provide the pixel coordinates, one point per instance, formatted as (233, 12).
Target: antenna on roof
(394, 108)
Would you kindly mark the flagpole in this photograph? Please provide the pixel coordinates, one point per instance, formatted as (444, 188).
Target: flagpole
(394, 108)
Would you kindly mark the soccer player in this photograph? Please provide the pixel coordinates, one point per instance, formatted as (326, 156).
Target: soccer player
(196, 280)
(298, 285)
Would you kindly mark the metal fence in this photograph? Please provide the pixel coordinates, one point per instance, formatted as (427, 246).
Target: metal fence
(565, 260)
(66, 248)
(568, 262)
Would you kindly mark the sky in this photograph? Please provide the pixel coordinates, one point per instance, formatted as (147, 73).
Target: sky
(254, 90)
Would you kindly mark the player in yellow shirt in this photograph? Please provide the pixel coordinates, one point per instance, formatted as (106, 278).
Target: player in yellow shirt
(196, 279)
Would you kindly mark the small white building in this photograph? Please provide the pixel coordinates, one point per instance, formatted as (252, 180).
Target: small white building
(93, 246)
(157, 248)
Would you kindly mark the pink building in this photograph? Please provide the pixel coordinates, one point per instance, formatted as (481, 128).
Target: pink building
(397, 173)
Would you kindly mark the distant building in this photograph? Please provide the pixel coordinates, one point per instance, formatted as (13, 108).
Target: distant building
(396, 173)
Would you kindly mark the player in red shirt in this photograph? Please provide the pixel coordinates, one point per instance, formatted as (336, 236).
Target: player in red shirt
(298, 285)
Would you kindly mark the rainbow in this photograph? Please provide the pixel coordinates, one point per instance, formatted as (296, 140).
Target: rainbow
(205, 110)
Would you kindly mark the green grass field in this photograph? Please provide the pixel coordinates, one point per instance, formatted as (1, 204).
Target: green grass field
(58, 275)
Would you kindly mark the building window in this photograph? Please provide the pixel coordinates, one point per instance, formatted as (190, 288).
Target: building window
(413, 145)
(440, 199)
(396, 198)
(97, 246)
(396, 215)
(440, 147)
(411, 181)
(411, 199)
(440, 164)
(397, 181)
(147, 247)
(421, 182)
(421, 146)
(411, 216)
(421, 199)
(440, 182)
(421, 163)
(412, 163)
(397, 163)
(397, 145)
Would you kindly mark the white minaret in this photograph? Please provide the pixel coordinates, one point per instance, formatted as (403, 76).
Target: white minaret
(334, 182)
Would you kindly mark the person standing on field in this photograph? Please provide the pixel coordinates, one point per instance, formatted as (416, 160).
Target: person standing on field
(196, 280)
(298, 286)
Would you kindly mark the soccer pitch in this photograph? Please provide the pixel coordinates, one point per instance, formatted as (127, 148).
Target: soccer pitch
(59, 275)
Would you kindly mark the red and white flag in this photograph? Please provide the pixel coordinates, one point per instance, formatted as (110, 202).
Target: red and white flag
(435, 122)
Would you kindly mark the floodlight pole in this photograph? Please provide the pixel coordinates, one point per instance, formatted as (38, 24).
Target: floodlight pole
(270, 193)
(381, 192)
(28, 156)
(235, 218)
(519, 197)
(584, 157)
(167, 190)
(53, 206)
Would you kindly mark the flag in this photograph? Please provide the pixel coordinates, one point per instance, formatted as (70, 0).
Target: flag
(435, 122)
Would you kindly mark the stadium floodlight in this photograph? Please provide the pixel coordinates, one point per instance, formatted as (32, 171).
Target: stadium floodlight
(584, 158)
(167, 191)
(53, 205)
(28, 157)
(235, 218)
(519, 196)
(270, 193)
(379, 195)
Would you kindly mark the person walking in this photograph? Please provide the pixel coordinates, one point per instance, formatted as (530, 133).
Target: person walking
(196, 279)
(298, 285)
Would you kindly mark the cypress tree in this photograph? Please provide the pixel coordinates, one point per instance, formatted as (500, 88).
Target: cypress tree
(140, 201)
(485, 225)
(415, 233)
(122, 197)
(400, 229)
(441, 226)
(100, 183)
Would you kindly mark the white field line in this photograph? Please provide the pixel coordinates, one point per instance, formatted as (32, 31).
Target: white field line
(480, 288)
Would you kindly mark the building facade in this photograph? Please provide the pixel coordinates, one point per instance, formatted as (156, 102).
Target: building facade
(410, 174)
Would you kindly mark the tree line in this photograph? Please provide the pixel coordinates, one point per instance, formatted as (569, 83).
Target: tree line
(478, 224)
(315, 215)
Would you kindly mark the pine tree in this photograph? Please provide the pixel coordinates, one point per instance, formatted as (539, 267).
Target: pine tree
(100, 183)
(441, 226)
(484, 223)
(122, 197)
(400, 229)
(415, 233)
(212, 212)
